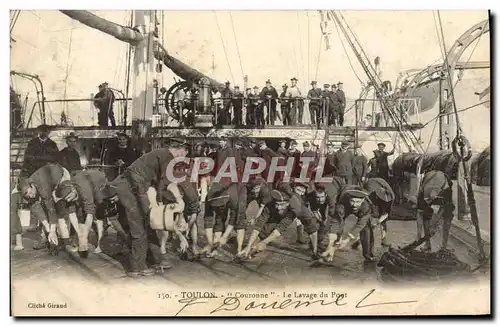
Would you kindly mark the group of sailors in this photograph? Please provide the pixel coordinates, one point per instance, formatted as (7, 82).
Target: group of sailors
(259, 106)
(146, 206)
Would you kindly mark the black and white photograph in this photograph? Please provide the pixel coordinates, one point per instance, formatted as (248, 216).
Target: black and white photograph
(250, 162)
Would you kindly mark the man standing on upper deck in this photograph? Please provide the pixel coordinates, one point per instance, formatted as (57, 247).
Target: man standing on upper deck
(296, 107)
(341, 97)
(334, 106)
(104, 101)
(237, 101)
(227, 96)
(314, 96)
(285, 105)
(269, 95)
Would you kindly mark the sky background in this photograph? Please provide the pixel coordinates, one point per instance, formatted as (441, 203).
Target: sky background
(73, 59)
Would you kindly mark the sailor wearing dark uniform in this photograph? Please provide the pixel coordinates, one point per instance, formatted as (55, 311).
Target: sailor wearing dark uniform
(92, 192)
(326, 104)
(119, 156)
(434, 203)
(359, 166)
(237, 101)
(296, 154)
(341, 96)
(38, 190)
(382, 197)
(344, 162)
(132, 186)
(232, 201)
(308, 152)
(269, 95)
(68, 156)
(282, 149)
(382, 163)
(352, 200)
(267, 154)
(285, 105)
(259, 191)
(314, 96)
(322, 202)
(277, 217)
(330, 169)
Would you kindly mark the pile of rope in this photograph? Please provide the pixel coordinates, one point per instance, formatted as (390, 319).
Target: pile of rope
(399, 263)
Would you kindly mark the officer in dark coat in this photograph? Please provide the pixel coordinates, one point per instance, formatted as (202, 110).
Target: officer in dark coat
(69, 157)
(269, 95)
(308, 152)
(326, 98)
(330, 169)
(120, 156)
(360, 166)
(237, 101)
(257, 107)
(132, 186)
(39, 151)
(285, 105)
(342, 101)
(382, 163)
(344, 162)
(282, 148)
(314, 96)
(296, 154)
(335, 107)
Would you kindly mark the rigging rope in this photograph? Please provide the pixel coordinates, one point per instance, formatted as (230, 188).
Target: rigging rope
(473, 49)
(129, 68)
(450, 82)
(382, 94)
(449, 113)
(237, 46)
(13, 22)
(148, 31)
(319, 57)
(301, 48)
(224, 46)
(308, 47)
(65, 106)
(348, 58)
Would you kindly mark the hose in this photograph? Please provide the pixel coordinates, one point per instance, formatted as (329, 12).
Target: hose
(398, 263)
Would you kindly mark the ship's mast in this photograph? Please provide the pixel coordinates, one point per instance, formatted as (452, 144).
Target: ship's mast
(143, 72)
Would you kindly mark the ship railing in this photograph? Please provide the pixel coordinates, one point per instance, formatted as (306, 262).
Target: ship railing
(162, 116)
(369, 113)
(76, 112)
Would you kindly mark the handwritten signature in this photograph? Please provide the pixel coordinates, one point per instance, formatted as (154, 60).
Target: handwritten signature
(233, 303)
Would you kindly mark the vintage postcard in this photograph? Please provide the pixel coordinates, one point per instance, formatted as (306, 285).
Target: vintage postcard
(250, 163)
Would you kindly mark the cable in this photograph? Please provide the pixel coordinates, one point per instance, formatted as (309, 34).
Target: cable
(237, 46)
(347, 55)
(223, 45)
(300, 44)
(308, 46)
(449, 113)
(459, 129)
(319, 57)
